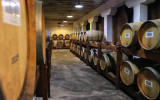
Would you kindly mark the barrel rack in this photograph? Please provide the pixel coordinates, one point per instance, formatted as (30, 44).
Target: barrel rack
(43, 75)
(63, 47)
(114, 78)
(140, 52)
(132, 91)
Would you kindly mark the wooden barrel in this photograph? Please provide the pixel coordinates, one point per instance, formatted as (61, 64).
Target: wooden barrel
(82, 52)
(67, 36)
(91, 54)
(81, 36)
(67, 44)
(129, 34)
(54, 36)
(40, 33)
(93, 35)
(18, 64)
(78, 49)
(95, 58)
(60, 37)
(109, 61)
(74, 36)
(71, 46)
(130, 69)
(148, 81)
(149, 35)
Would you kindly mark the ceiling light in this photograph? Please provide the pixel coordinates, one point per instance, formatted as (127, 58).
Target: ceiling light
(70, 16)
(61, 24)
(78, 5)
(65, 21)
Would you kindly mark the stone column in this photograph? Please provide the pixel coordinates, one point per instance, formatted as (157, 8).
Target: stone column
(108, 23)
(140, 7)
(92, 22)
(83, 25)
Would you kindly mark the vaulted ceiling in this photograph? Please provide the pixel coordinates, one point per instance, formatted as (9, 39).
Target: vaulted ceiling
(57, 10)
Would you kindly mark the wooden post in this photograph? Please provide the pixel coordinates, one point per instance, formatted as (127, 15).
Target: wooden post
(119, 62)
(88, 49)
(41, 89)
(80, 49)
(99, 57)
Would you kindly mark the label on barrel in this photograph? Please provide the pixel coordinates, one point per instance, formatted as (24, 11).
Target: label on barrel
(126, 71)
(127, 35)
(149, 34)
(11, 12)
(148, 83)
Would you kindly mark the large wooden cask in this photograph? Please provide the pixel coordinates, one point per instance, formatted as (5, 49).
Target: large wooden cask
(40, 33)
(95, 58)
(60, 37)
(93, 35)
(18, 61)
(82, 36)
(129, 34)
(149, 35)
(54, 36)
(67, 36)
(148, 81)
(78, 49)
(109, 61)
(91, 54)
(130, 69)
(82, 51)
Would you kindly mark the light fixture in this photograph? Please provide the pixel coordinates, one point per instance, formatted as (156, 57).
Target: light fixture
(61, 24)
(78, 5)
(65, 21)
(69, 15)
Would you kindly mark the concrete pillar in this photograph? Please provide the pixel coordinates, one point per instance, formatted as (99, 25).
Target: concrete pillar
(140, 7)
(83, 25)
(92, 22)
(108, 23)
(78, 28)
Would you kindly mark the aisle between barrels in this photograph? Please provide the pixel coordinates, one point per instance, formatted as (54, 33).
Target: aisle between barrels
(72, 79)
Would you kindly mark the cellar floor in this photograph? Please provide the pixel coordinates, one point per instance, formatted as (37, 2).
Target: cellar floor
(72, 79)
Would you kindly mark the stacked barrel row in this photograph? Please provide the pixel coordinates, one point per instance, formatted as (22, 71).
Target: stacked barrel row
(146, 34)
(60, 37)
(143, 73)
(91, 35)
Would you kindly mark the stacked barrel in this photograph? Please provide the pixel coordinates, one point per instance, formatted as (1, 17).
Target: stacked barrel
(143, 73)
(20, 59)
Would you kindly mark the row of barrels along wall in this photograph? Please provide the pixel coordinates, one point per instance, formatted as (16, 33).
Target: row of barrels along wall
(144, 73)
(148, 77)
(17, 79)
(91, 35)
(147, 34)
(60, 37)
